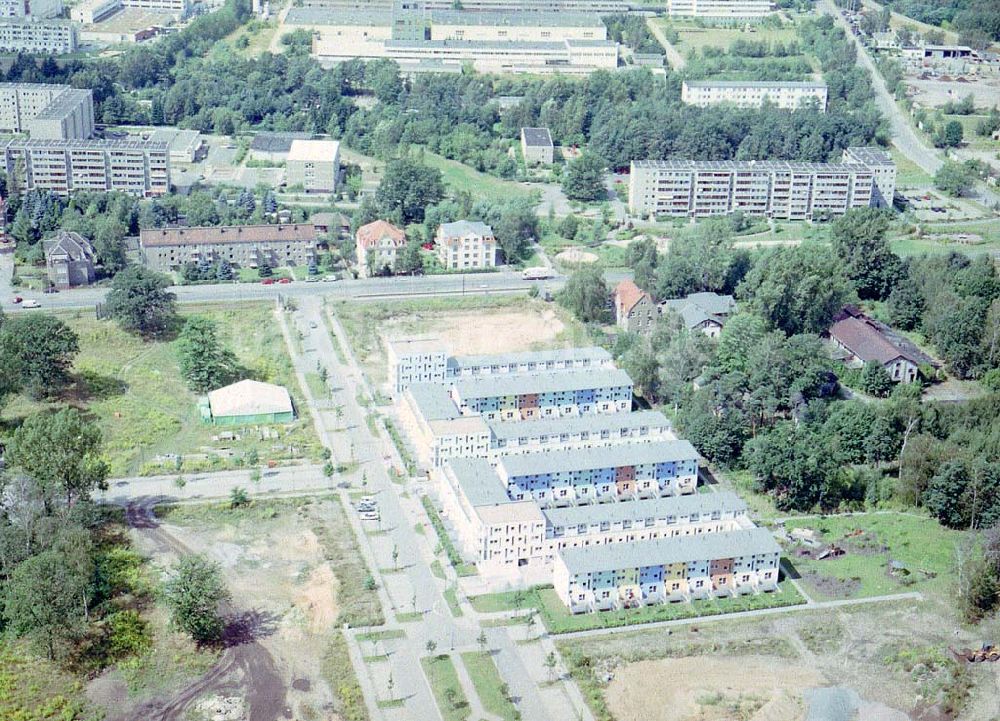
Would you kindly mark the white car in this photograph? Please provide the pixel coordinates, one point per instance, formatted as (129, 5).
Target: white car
(31, 303)
(370, 516)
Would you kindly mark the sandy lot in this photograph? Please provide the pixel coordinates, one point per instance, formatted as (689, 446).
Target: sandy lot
(489, 332)
(703, 689)
(934, 92)
(575, 255)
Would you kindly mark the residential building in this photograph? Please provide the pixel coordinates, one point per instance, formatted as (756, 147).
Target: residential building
(706, 312)
(314, 165)
(465, 245)
(28, 35)
(184, 146)
(536, 146)
(139, 168)
(491, 529)
(753, 94)
(45, 9)
(723, 11)
(242, 246)
(880, 162)
(601, 7)
(179, 8)
(378, 244)
(247, 402)
(13, 8)
(90, 12)
(274, 147)
(557, 359)
(635, 311)
(773, 189)
(69, 260)
(544, 395)
(866, 340)
(337, 225)
(46, 111)
(415, 360)
(438, 428)
(585, 475)
(667, 569)
(595, 430)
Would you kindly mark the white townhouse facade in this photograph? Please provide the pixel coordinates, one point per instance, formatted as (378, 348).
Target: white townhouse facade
(541, 361)
(720, 10)
(415, 360)
(752, 94)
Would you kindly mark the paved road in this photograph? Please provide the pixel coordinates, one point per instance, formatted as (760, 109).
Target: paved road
(676, 60)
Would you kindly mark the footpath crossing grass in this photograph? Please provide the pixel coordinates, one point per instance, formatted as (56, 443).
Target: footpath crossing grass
(489, 685)
(558, 619)
(448, 693)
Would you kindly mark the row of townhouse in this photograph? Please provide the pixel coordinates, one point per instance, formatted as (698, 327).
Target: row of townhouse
(423, 359)
(623, 471)
(667, 569)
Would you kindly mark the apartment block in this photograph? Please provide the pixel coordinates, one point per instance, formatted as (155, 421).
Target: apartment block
(139, 168)
(438, 428)
(314, 165)
(601, 7)
(667, 569)
(558, 359)
(242, 246)
(415, 360)
(465, 245)
(544, 395)
(880, 162)
(624, 471)
(90, 12)
(536, 146)
(719, 10)
(752, 94)
(29, 35)
(773, 189)
(180, 8)
(46, 110)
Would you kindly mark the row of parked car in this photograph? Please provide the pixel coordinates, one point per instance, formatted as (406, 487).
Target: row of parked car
(368, 509)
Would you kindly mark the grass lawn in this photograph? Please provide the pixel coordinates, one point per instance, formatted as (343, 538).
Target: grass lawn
(451, 598)
(387, 635)
(698, 38)
(937, 238)
(443, 679)
(489, 684)
(908, 173)
(259, 33)
(135, 392)
(558, 619)
(925, 547)
(462, 177)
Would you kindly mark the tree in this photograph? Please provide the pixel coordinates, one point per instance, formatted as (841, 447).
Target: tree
(586, 294)
(796, 290)
(238, 497)
(42, 599)
(430, 646)
(905, 304)
(875, 380)
(194, 591)
(955, 179)
(38, 350)
(482, 641)
(550, 664)
(60, 451)
(140, 302)
(407, 188)
(584, 178)
(204, 362)
(949, 135)
(409, 260)
(740, 333)
(701, 259)
(858, 239)
(943, 497)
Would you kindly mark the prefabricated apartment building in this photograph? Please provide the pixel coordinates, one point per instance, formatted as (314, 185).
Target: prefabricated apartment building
(541, 466)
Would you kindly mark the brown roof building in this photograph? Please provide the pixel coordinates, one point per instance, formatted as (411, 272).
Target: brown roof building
(866, 340)
(635, 310)
(251, 246)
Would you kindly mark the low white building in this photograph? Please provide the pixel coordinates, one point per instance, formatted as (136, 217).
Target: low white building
(753, 94)
(183, 145)
(89, 12)
(722, 11)
(465, 245)
(314, 165)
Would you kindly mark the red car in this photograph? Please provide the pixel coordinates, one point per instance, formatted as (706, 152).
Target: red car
(267, 281)
(18, 299)
(284, 281)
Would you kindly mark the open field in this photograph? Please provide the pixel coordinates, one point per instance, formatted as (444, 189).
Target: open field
(32, 689)
(558, 619)
(924, 547)
(474, 324)
(981, 236)
(462, 177)
(696, 38)
(443, 680)
(878, 663)
(148, 415)
(908, 173)
(294, 566)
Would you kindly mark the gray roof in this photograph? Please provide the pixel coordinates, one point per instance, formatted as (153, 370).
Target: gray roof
(479, 481)
(754, 84)
(93, 144)
(537, 137)
(465, 227)
(434, 401)
(73, 245)
(594, 353)
(679, 549)
(640, 510)
(64, 103)
(749, 166)
(590, 422)
(276, 142)
(580, 459)
(470, 45)
(332, 16)
(512, 384)
(700, 307)
(532, 19)
(869, 155)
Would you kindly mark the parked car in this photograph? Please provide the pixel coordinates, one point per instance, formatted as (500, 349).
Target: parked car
(284, 281)
(31, 303)
(370, 516)
(267, 281)
(17, 299)
(330, 278)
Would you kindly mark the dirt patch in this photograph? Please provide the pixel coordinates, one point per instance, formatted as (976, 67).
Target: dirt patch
(485, 332)
(756, 688)
(575, 255)
(318, 598)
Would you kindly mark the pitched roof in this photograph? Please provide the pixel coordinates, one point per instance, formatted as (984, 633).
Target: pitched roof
(313, 150)
(627, 294)
(595, 354)
(464, 227)
(871, 340)
(582, 459)
(296, 232)
(248, 398)
(371, 234)
(73, 245)
(641, 509)
(515, 384)
(537, 137)
(698, 308)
